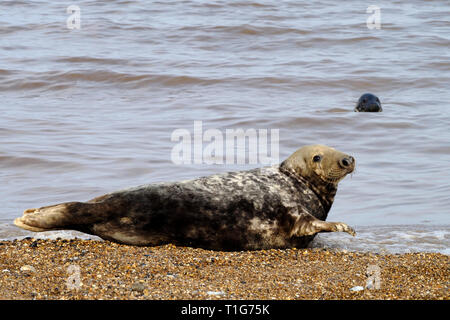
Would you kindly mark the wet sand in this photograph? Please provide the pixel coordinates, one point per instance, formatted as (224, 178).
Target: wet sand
(89, 269)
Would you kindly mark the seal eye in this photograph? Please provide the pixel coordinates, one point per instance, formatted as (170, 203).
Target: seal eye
(317, 158)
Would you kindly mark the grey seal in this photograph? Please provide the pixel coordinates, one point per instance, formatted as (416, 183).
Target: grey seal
(279, 206)
(368, 103)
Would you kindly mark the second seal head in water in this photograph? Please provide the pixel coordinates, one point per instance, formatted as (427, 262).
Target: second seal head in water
(271, 207)
(368, 103)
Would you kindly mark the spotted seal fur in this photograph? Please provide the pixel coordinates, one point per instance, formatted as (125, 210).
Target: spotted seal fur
(279, 206)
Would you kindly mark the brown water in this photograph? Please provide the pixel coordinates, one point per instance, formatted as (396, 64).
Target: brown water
(91, 110)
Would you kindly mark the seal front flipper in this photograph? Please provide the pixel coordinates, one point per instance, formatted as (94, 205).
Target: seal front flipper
(67, 215)
(307, 225)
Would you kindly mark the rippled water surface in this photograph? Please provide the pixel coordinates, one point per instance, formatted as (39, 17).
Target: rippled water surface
(92, 110)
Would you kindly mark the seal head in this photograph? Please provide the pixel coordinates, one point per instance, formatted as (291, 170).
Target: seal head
(368, 103)
(321, 167)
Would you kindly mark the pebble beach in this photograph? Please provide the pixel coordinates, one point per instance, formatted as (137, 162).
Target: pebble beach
(78, 269)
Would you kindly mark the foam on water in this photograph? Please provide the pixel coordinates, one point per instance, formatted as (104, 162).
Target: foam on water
(380, 239)
(389, 239)
(9, 232)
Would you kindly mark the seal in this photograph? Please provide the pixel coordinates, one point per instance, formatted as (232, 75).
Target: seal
(368, 103)
(278, 206)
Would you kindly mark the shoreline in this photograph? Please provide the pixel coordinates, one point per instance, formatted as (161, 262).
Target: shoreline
(91, 269)
(384, 239)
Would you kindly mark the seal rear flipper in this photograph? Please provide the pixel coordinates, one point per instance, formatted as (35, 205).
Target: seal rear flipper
(57, 217)
(307, 225)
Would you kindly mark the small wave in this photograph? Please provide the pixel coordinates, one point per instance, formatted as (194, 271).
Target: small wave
(24, 85)
(250, 4)
(18, 162)
(17, 3)
(252, 30)
(247, 30)
(224, 5)
(60, 79)
(339, 110)
(48, 80)
(93, 60)
(390, 239)
(315, 41)
(6, 30)
(5, 72)
(10, 232)
(444, 150)
(27, 27)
